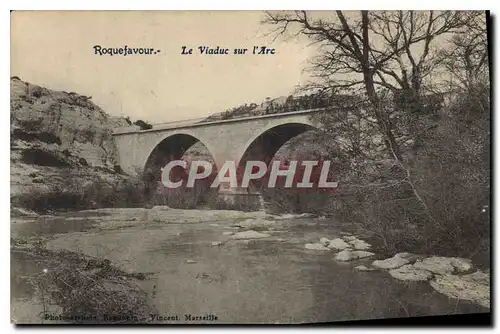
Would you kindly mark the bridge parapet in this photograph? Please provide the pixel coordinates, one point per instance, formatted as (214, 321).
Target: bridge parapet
(192, 123)
(126, 129)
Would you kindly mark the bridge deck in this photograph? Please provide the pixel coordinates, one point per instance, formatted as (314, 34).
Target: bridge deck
(175, 125)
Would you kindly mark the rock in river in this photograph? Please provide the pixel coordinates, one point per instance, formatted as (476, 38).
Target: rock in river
(444, 265)
(338, 244)
(250, 234)
(316, 247)
(390, 263)
(255, 223)
(348, 255)
(409, 256)
(461, 265)
(474, 287)
(409, 273)
(349, 237)
(360, 244)
(324, 241)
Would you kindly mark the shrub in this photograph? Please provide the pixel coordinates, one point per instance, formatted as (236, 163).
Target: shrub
(87, 288)
(202, 196)
(35, 156)
(239, 203)
(74, 196)
(143, 125)
(118, 169)
(287, 200)
(439, 203)
(45, 137)
(83, 162)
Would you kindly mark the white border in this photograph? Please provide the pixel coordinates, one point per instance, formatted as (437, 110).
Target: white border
(185, 5)
(253, 5)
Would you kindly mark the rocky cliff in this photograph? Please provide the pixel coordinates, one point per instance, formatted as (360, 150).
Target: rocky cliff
(59, 139)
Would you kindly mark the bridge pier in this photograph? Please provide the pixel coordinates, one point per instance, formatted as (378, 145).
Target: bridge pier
(242, 197)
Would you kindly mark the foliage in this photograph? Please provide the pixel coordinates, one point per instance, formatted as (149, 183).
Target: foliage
(374, 52)
(143, 125)
(417, 146)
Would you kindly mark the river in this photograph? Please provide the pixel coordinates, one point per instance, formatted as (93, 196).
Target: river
(272, 280)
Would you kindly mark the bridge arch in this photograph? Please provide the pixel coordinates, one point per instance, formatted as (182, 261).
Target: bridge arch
(226, 140)
(264, 145)
(171, 147)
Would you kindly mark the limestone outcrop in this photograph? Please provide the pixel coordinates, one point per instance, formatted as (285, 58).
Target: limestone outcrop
(59, 139)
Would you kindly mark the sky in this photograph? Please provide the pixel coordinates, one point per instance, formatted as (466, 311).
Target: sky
(55, 49)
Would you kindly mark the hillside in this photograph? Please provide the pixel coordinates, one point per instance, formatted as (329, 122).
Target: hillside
(58, 139)
(282, 104)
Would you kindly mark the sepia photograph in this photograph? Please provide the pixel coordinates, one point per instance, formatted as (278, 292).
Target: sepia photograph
(250, 167)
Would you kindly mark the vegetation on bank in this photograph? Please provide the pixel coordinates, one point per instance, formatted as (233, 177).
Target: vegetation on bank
(142, 191)
(84, 289)
(424, 90)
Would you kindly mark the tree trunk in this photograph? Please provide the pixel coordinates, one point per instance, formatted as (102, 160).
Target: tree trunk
(383, 120)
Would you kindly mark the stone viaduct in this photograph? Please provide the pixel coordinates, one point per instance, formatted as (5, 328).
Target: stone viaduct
(237, 139)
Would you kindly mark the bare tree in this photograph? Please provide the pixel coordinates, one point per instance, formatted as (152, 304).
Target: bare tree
(466, 61)
(373, 50)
